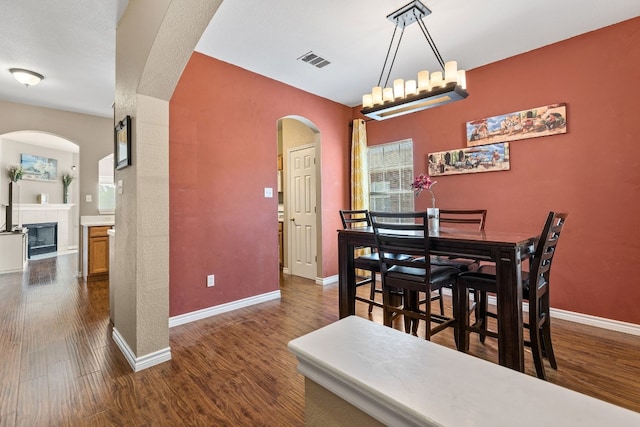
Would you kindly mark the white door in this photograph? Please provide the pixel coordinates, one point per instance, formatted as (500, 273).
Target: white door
(302, 212)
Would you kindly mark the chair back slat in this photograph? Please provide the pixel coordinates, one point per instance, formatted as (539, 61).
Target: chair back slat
(401, 234)
(355, 218)
(540, 263)
(465, 217)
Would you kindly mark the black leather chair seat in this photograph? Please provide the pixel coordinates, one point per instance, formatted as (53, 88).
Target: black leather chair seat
(487, 273)
(440, 275)
(375, 257)
(462, 264)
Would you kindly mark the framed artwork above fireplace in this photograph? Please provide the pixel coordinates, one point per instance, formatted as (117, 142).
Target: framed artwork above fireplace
(38, 168)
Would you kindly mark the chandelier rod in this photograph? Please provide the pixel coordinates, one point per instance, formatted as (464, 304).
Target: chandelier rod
(432, 44)
(393, 61)
(386, 58)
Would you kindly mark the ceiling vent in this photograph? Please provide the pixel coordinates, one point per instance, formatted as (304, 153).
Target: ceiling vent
(314, 59)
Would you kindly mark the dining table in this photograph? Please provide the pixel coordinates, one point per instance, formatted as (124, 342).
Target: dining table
(504, 248)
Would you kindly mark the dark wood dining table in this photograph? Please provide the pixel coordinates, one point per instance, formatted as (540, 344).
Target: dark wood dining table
(506, 249)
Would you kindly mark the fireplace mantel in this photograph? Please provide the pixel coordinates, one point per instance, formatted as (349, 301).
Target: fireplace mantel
(43, 206)
(65, 214)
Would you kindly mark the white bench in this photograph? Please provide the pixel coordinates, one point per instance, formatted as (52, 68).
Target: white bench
(364, 370)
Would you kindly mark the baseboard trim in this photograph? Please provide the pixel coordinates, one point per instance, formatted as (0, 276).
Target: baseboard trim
(222, 308)
(326, 280)
(585, 319)
(142, 362)
(599, 322)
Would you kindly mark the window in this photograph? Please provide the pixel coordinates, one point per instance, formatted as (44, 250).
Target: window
(106, 187)
(390, 177)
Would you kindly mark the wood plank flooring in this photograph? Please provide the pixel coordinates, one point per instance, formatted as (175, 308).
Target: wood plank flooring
(60, 367)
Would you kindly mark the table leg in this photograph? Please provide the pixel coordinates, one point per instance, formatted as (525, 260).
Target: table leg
(346, 278)
(509, 302)
(461, 310)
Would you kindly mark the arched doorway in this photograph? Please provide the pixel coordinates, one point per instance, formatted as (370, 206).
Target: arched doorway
(299, 145)
(41, 197)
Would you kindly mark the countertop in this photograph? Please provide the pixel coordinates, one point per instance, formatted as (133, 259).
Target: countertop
(10, 233)
(97, 220)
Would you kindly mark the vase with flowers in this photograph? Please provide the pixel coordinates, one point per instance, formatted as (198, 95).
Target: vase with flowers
(15, 173)
(421, 183)
(67, 179)
(424, 182)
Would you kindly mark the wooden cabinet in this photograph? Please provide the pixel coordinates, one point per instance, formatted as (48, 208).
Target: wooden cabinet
(280, 245)
(96, 256)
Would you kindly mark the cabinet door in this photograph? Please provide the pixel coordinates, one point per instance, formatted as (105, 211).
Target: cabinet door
(100, 231)
(98, 255)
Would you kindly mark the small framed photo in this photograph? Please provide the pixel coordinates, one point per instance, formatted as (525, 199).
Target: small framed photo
(122, 150)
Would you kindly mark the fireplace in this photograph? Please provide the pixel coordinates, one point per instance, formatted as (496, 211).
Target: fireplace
(43, 238)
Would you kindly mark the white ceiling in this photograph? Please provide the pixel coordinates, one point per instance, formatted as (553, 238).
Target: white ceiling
(72, 42)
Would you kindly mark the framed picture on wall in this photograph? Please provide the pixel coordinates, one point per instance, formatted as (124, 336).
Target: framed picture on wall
(38, 168)
(482, 158)
(530, 123)
(122, 149)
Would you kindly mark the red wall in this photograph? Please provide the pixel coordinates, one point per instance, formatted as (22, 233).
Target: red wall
(592, 172)
(222, 154)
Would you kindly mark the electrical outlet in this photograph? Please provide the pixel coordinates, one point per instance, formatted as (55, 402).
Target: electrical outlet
(211, 280)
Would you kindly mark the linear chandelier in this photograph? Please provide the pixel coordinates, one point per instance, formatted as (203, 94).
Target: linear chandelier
(429, 90)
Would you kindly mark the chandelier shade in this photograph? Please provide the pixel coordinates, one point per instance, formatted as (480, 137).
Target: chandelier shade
(427, 90)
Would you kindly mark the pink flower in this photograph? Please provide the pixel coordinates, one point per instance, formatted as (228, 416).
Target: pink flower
(424, 182)
(421, 183)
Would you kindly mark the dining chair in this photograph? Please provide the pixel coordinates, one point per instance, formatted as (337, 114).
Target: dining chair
(363, 260)
(535, 291)
(472, 219)
(406, 233)
(464, 217)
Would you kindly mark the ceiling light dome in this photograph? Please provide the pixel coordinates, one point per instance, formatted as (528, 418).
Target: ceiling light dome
(26, 77)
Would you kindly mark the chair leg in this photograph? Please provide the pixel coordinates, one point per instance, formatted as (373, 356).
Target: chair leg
(411, 305)
(427, 309)
(534, 338)
(476, 307)
(386, 307)
(441, 302)
(456, 323)
(547, 346)
(481, 312)
(372, 294)
(461, 314)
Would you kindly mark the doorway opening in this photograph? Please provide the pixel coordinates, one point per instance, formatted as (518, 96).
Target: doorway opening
(43, 198)
(299, 197)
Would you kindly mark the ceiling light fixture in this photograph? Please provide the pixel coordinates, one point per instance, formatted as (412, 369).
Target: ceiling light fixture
(430, 90)
(26, 77)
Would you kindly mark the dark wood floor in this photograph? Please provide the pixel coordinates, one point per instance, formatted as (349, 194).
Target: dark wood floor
(59, 366)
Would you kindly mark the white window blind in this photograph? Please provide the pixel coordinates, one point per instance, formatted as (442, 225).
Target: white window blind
(390, 177)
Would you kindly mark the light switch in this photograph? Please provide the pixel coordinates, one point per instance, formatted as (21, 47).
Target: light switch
(119, 186)
(268, 192)
(88, 198)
